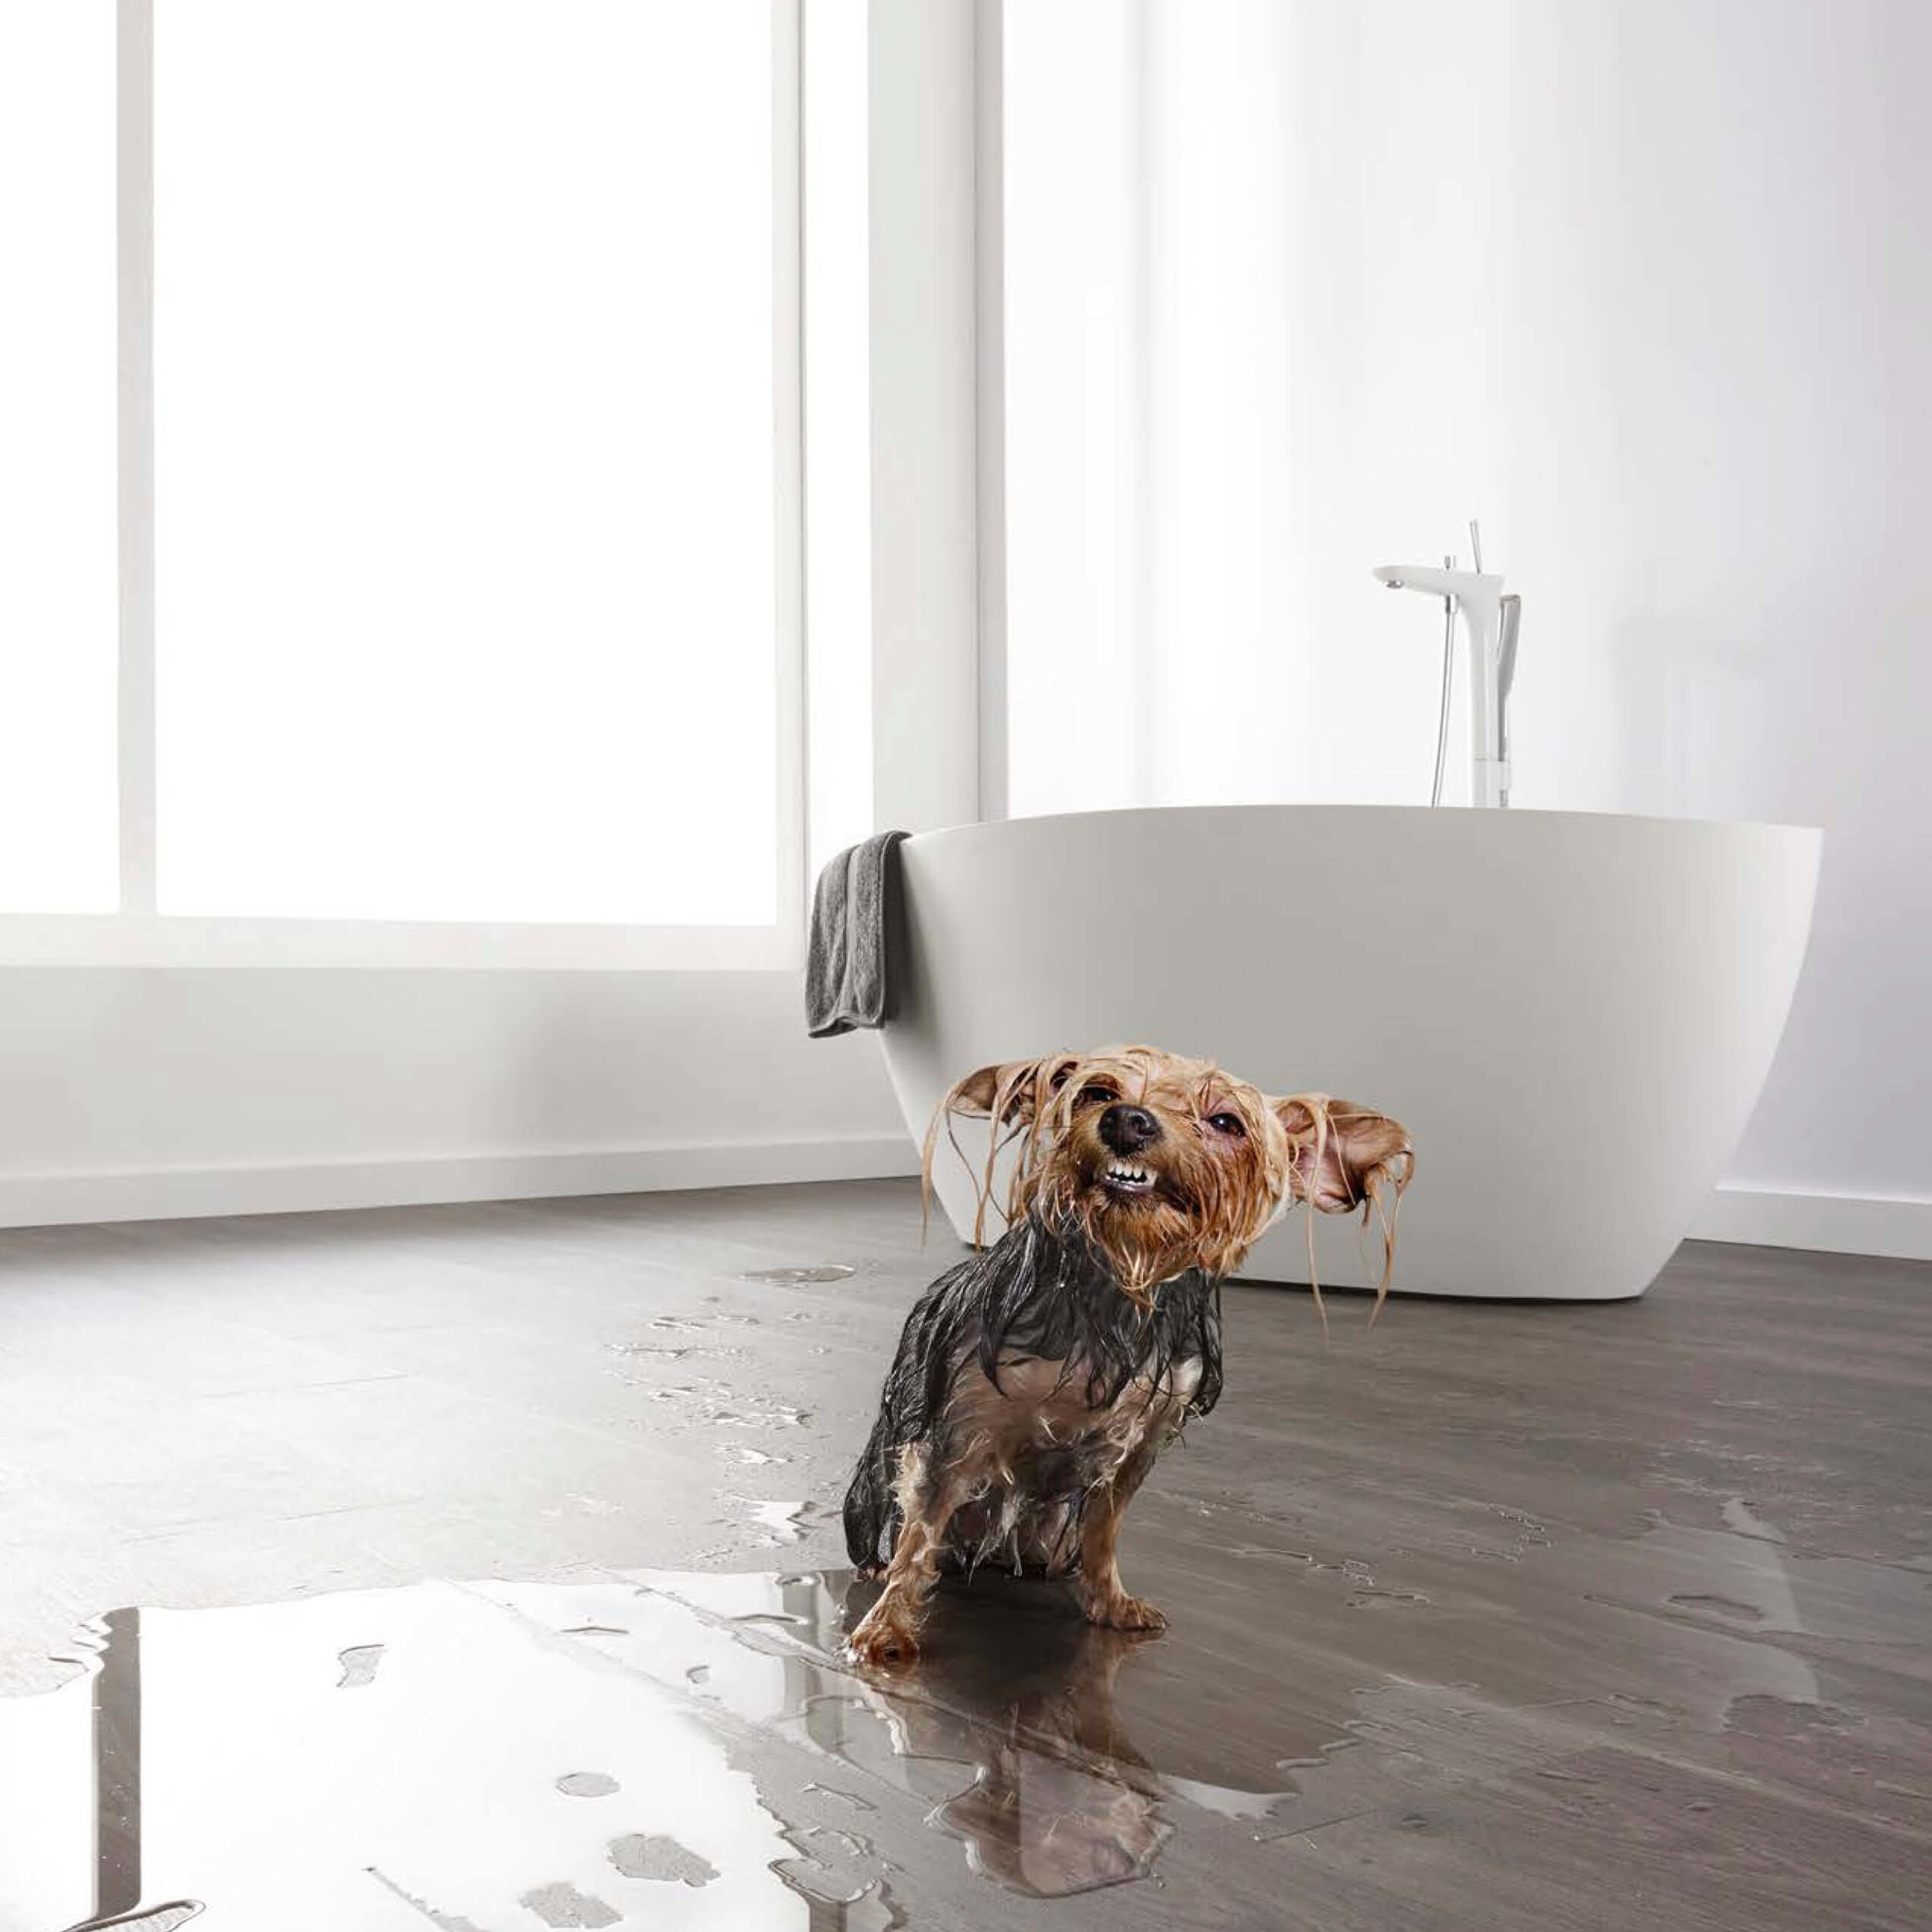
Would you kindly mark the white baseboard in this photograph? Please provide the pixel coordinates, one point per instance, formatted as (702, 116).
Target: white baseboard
(177, 1194)
(1894, 1226)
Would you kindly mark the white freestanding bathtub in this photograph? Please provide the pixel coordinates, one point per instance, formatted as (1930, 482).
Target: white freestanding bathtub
(1573, 1015)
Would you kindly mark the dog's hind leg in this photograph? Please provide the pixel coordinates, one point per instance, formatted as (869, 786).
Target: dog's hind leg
(1102, 1595)
(889, 1633)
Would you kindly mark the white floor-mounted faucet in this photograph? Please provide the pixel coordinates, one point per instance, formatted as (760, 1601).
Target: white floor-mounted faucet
(1489, 619)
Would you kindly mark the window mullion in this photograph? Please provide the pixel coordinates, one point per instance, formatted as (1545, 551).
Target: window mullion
(788, 428)
(135, 228)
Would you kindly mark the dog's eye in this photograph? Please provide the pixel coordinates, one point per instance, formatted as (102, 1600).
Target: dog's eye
(1228, 1123)
(1094, 1096)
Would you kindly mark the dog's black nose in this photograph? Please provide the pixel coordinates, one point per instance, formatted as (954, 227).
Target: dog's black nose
(1126, 1129)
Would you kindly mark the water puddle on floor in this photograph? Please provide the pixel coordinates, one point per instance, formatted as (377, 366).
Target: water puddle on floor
(799, 1277)
(780, 1521)
(668, 1749)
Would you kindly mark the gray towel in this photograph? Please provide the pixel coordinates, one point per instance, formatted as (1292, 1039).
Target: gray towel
(846, 982)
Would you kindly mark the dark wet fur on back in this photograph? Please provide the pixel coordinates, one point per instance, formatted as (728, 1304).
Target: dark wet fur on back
(1035, 1295)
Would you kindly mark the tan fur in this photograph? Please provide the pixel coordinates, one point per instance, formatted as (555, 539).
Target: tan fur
(1334, 1154)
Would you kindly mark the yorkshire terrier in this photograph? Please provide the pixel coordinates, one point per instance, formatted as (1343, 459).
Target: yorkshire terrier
(1035, 1383)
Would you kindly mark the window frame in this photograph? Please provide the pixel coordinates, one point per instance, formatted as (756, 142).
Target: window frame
(139, 934)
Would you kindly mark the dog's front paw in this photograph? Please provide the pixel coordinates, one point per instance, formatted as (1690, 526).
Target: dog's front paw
(884, 1642)
(1120, 1611)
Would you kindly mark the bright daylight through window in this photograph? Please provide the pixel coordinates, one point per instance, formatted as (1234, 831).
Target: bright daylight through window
(467, 602)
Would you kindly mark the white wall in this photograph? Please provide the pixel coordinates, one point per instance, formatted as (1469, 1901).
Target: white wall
(1294, 290)
(925, 682)
(132, 1092)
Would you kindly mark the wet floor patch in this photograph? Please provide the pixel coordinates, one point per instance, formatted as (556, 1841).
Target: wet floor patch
(1725, 1607)
(561, 1905)
(359, 1662)
(780, 1520)
(666, 1748)
(663, 1861)
(689, 1750)
(798, 1277)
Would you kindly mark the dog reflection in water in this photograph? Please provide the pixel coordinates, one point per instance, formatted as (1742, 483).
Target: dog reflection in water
(1060, 1800)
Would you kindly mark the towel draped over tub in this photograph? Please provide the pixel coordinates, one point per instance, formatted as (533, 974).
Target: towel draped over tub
(847, 977)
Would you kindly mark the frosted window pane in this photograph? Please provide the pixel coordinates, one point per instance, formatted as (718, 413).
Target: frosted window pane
(58, 833)
(465, 460)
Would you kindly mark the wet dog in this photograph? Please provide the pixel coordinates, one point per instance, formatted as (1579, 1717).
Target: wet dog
(1036, 1382)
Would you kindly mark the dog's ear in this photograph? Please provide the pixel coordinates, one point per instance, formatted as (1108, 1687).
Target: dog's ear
(1010, 1089)
(1342, 1155)
(1011, 1093)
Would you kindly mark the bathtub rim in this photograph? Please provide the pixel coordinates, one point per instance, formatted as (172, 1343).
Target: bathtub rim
(967, 828)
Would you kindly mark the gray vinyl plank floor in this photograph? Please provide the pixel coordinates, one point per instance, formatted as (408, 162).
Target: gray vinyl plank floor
(1497, 1615)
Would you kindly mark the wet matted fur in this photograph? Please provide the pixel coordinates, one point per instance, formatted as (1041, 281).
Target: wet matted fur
(1033, 1298)
(1035, 1383)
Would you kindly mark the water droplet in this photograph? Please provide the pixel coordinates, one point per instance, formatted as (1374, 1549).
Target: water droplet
(359, 1661)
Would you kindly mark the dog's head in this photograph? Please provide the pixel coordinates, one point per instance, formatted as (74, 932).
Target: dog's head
(1165, 1164)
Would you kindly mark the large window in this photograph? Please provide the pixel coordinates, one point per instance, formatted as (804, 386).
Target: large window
(460, 589)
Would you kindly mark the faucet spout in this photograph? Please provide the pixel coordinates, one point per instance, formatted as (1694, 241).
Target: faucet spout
(1466, 586)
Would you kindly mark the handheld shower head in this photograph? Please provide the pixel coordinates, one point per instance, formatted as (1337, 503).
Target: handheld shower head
(1505, 673)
